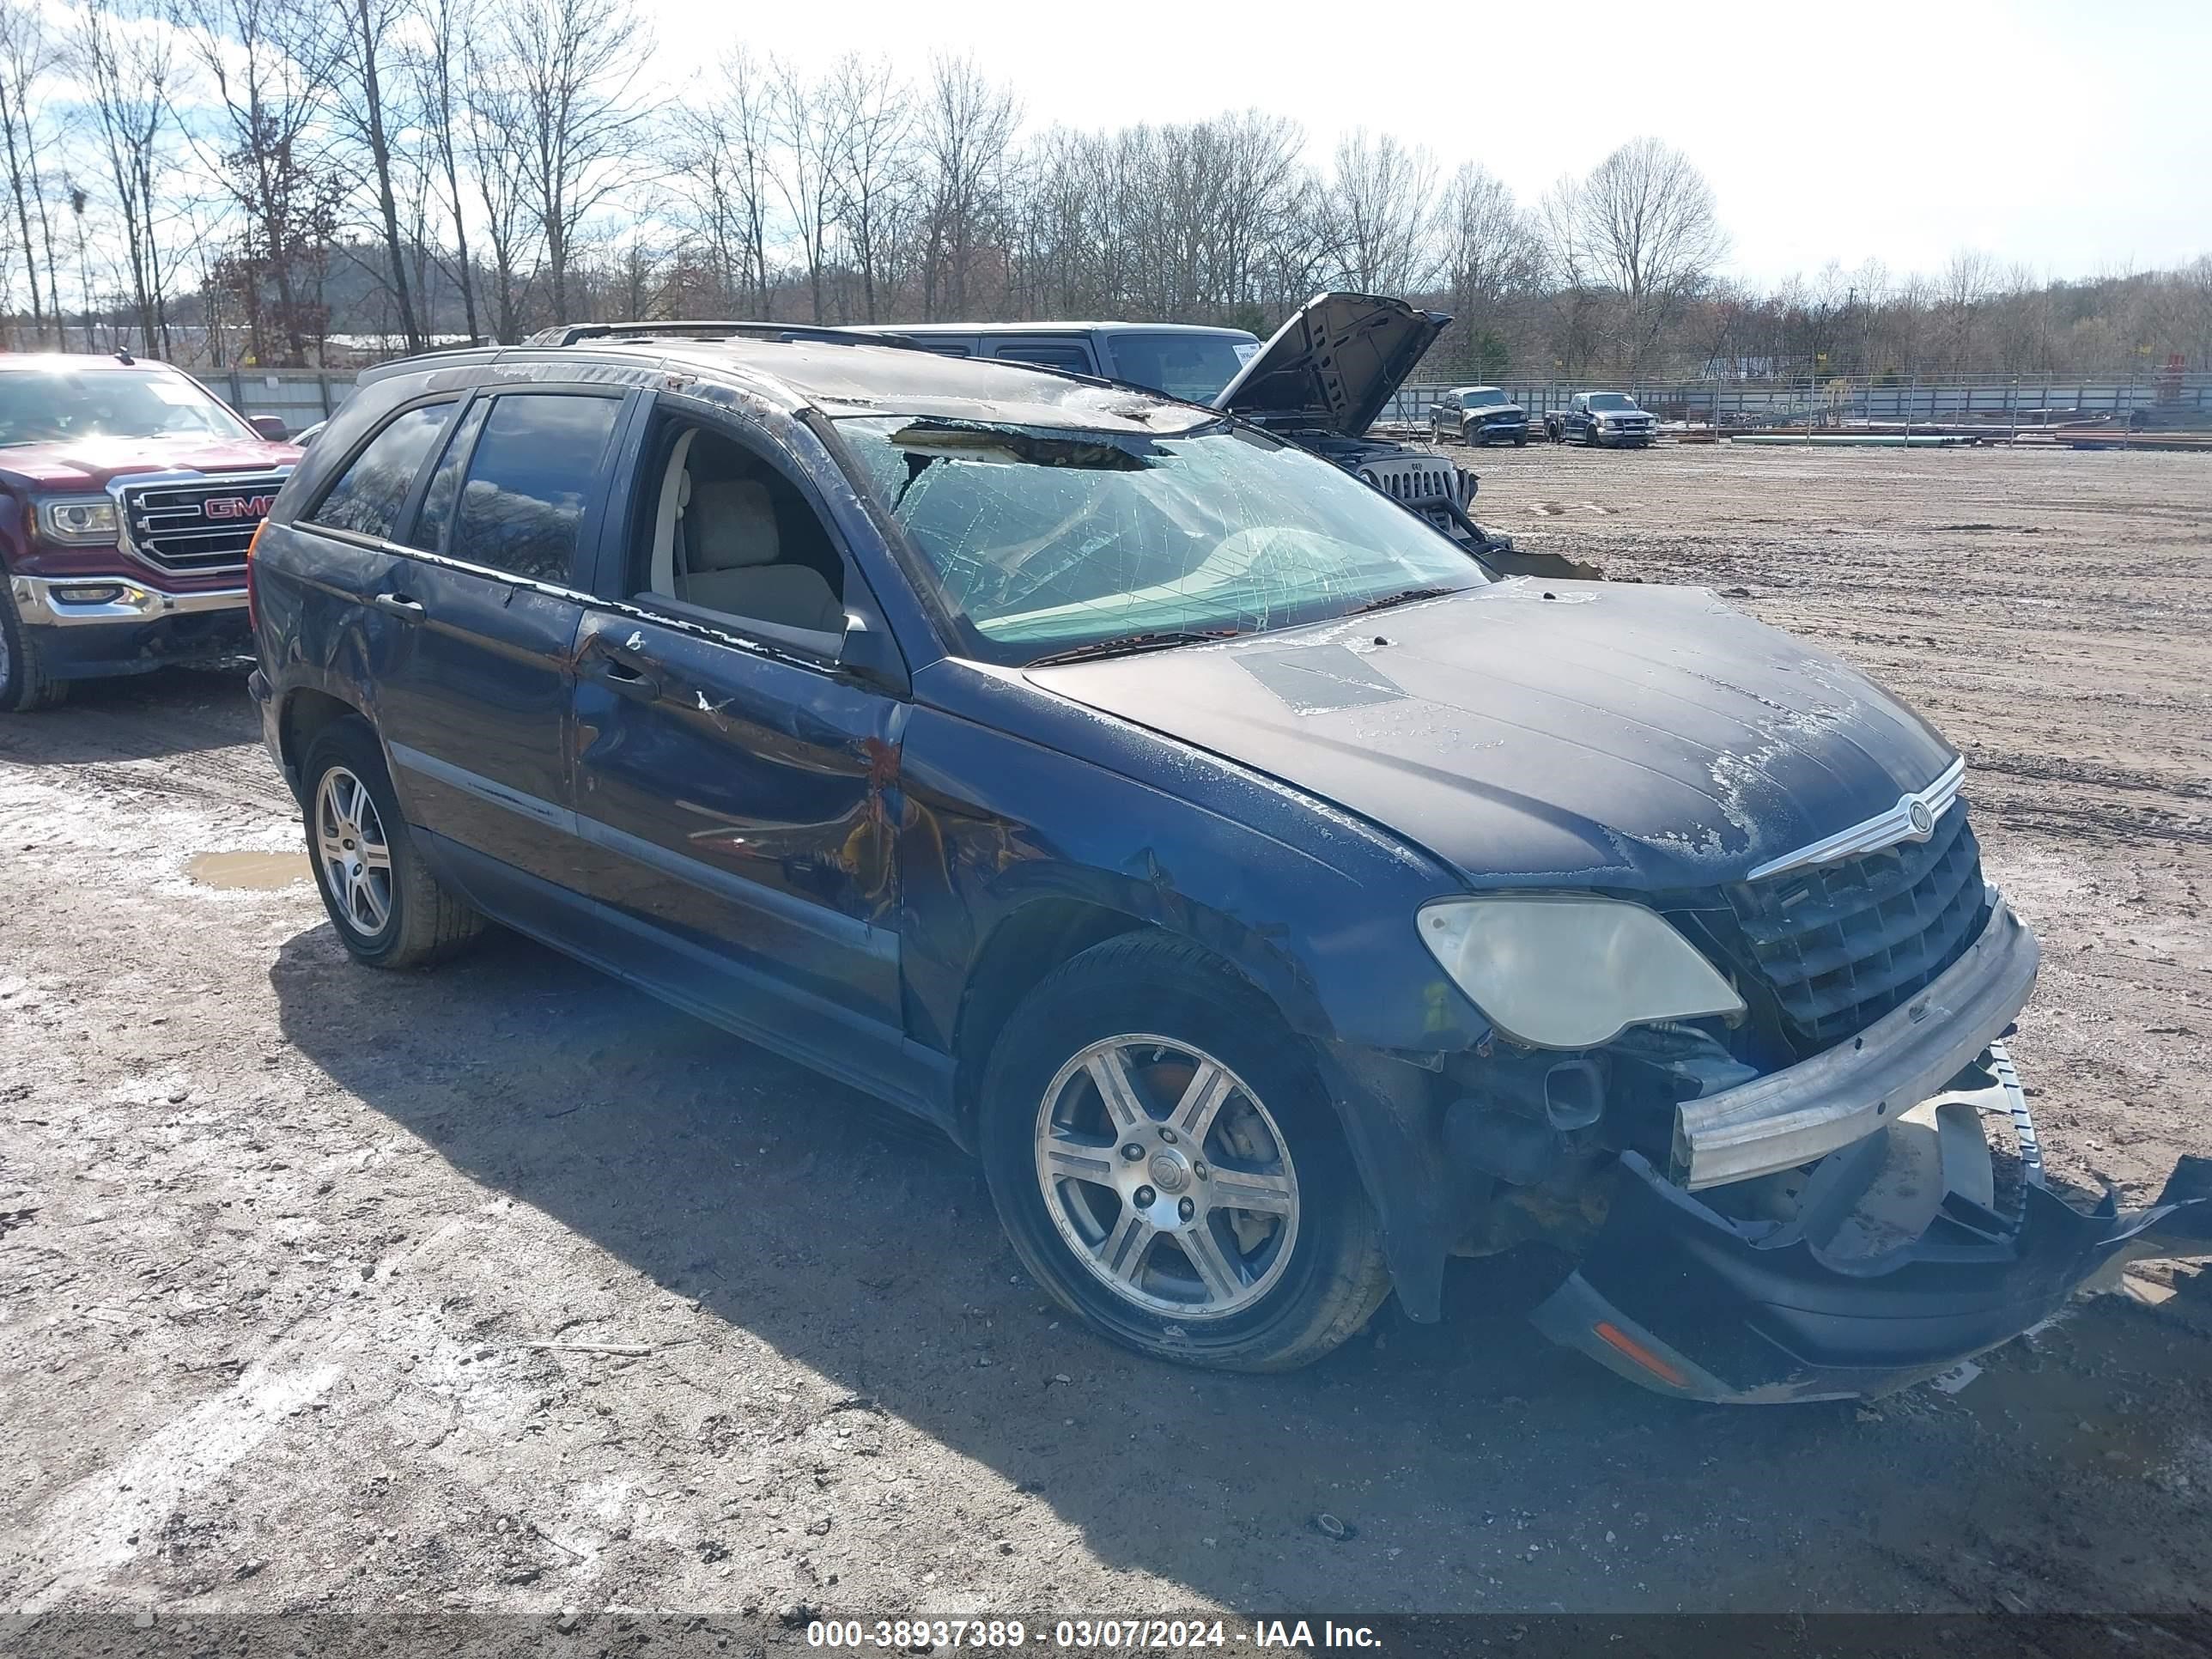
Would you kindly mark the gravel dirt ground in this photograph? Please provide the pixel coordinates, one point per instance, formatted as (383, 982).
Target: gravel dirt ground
(503, 1288)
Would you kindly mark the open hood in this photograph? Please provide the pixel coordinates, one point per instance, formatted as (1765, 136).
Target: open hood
(1334, 364)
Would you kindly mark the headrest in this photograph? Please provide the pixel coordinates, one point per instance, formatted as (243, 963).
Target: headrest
(730, 524)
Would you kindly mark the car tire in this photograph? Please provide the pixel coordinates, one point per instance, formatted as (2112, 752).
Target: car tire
(388, 910)
(1115, 1050)
(1520, 440)
(25, 685)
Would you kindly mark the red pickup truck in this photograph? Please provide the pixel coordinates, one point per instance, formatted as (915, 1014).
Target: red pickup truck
(128, 494)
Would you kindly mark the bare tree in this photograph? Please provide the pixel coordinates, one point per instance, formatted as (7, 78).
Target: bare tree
(363, 65)
(26, 57)
(1964, 288)
(966, 130)
(491, 112)
(131, 77)
(1381, 205)
(869, 184)
(271, 64)
(574, 64)
(1643, 230)
(445, 25)
(808, 142)
(1489, 252)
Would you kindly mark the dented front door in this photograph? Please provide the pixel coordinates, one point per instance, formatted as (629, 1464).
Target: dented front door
(731, 800)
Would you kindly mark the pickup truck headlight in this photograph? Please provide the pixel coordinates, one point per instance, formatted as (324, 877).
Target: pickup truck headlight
(78, 520)
(1559, 971)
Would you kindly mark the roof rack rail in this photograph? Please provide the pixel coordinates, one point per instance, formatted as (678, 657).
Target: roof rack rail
(568, 334)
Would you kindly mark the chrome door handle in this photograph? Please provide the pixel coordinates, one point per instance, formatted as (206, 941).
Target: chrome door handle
(398, 604)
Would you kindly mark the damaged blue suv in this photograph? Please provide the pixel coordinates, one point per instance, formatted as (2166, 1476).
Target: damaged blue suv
(1276, 900)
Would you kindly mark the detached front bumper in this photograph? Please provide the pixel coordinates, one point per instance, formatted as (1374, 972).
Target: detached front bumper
(1901, 1255)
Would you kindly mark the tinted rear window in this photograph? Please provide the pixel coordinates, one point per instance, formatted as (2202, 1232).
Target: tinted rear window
(437, 510)
(1074, 357)
(369, 495)
(529, 481)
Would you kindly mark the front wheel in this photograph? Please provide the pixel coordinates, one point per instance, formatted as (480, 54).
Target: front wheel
(1169, 1168)
(25, 685)
(389, 910)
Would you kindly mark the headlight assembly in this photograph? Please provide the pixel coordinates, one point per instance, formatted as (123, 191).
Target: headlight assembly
(1557, 971)
(78, 520)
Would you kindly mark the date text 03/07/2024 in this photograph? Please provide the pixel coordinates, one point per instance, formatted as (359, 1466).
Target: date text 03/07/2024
(899, 1635)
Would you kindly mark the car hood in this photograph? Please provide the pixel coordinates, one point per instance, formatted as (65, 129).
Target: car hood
(89, 463)
(1334, 364)
(1575, 734)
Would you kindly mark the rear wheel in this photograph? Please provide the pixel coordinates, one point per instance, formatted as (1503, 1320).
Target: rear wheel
(1168, 1167)
(25, 685)
(389, 910)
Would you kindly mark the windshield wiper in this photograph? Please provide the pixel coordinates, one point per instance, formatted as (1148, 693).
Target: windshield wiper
(1129, 644)
(1407, 597)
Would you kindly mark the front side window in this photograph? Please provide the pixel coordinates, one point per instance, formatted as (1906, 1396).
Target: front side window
(1193, 367)
(530, 479)
(1043, 540)
(369, 495)
(39, 408)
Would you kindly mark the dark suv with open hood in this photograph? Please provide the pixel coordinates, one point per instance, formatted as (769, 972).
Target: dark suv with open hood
(1322, 380)
(1277, 904)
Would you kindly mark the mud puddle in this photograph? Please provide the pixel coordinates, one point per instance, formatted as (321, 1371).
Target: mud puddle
(247, 872)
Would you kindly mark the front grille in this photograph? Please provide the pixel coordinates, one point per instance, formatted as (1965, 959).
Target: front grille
(1839, 946)
(197, 524)
(1416, 480)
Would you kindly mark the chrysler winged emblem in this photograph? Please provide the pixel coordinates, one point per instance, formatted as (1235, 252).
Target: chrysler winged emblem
(1913, 818)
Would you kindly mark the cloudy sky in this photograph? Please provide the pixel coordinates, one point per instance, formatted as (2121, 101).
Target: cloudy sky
(2076, 138)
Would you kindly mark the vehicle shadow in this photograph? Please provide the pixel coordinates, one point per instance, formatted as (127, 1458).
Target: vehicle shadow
(1471, 1465)
(171, 711)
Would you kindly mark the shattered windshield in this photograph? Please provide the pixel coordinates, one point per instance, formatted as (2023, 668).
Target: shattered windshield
(1193, 367)
(1044, 540)
(1610, 400)
(38, 408)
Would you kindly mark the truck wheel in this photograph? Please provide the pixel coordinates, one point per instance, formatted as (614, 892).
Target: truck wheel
(25, 686)
(1166, 1163)
(388, 911)
(1520, 439)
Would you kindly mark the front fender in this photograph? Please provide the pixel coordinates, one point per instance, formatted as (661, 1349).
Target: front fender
(1013, 797)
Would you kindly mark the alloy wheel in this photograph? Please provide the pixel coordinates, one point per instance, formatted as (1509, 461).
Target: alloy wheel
(1167, 1176)
(352, 850)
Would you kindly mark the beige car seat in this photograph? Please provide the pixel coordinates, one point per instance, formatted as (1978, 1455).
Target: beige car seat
(729, 547)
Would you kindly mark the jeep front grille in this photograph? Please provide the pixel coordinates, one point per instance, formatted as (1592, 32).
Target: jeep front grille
(196, 524)
(1838, 946)
(1416, 478)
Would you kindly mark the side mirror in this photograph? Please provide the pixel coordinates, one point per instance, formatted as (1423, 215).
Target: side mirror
(270, 427)
(870, 654)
